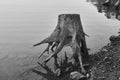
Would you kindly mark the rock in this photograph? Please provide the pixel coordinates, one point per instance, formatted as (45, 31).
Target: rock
(58, 72)
(77, 76)
(114, 38)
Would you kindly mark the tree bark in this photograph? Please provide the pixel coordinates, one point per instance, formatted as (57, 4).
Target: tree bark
(68, 32)
(74, 20)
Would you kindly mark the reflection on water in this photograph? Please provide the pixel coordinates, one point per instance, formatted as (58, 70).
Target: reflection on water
(29, 22)
(111, 8)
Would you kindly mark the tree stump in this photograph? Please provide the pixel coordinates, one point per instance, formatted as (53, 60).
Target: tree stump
(68, 32)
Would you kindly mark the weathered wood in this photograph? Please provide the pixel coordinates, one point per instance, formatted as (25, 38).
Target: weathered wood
(68, 32)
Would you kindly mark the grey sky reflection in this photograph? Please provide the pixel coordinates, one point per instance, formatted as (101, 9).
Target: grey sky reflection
(26, 22)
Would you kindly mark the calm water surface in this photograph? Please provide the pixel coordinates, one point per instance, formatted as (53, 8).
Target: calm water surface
(26, 22)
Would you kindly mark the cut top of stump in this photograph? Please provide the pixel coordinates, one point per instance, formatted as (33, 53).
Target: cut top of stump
(73, 19)
(68, 17)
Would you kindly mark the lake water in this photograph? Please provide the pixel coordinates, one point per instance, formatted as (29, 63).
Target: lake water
(26, 22)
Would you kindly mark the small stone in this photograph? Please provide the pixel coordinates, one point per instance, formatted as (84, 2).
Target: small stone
(103, 71)
(87, 75)
(76, 75)
(119, 78)
(58, 72)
